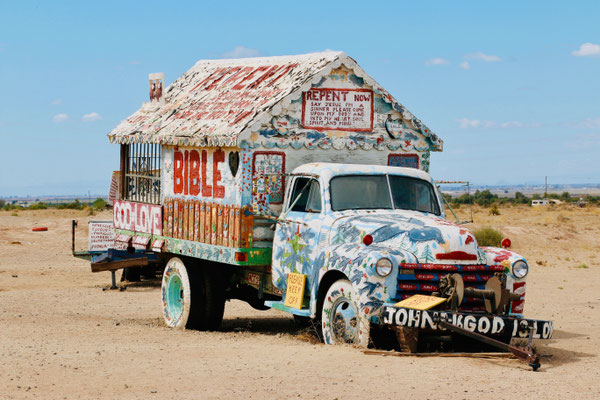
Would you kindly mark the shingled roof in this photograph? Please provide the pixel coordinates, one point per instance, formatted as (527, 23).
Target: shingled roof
(216, 102)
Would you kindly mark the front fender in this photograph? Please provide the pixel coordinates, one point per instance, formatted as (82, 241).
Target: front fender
(357, 263)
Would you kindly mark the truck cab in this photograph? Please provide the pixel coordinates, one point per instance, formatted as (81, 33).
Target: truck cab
(365, 236)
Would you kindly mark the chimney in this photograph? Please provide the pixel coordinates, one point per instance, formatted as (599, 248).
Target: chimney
(156, 82)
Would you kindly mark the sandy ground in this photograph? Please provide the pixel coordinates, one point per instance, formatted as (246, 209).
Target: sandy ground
(63, 337)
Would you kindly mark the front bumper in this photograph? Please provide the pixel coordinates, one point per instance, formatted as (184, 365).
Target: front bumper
(482, 323)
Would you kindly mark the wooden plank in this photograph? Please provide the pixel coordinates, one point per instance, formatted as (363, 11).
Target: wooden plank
(196, 221)
(202, 228)
(175, 218)
(119, 264)
(207, 223)
(219, 225)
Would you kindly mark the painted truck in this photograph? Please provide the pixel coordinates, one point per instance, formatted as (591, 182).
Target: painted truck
(299, 183)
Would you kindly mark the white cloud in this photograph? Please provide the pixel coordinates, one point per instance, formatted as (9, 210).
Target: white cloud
(437, 61)
(465, 65)
(91, 117)
(466, 123)
(241, 52)
(134, 62)
(58, 118)
(483, 57)
(587, 49)
(519, 124)
(588, 123)
(56, 102)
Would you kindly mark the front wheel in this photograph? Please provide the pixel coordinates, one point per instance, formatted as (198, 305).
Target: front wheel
(341, 319)
(191, 297)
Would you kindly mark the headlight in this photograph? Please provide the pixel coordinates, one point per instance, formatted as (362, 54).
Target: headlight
(520, 269)
(383, 267)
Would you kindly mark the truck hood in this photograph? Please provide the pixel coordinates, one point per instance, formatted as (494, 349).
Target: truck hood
(431, 239)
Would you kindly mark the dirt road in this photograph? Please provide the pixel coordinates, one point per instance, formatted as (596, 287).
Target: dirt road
(63, 337)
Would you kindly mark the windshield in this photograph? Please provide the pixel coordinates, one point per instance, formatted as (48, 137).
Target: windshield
(359, 192)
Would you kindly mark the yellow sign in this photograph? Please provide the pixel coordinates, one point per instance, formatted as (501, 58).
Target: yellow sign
(420, 302)
(295, 290)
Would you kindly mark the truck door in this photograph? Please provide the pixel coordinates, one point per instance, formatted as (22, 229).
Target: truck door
(295, 245)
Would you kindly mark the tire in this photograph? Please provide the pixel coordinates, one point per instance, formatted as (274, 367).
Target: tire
(341, 318)
(192, 297)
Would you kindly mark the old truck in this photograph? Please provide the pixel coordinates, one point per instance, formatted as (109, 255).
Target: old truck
(356, 227)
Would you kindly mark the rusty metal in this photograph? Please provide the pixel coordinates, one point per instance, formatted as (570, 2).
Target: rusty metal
(73, 226)
(525, 353)
(495, 295)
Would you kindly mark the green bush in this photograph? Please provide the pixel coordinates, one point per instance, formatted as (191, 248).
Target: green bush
(38, 206)
(99, 204)
(488, 236)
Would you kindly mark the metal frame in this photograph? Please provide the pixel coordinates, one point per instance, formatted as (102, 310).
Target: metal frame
(140, 172)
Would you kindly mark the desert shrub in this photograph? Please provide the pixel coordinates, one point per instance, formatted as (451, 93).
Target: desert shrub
(2, 203)
(76, 205)
(99, 204)
(15, 214)
(488, 236)
(562, 218)
(494, 210)
(38, 206)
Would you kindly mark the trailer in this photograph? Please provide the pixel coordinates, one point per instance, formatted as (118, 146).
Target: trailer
(299, 183)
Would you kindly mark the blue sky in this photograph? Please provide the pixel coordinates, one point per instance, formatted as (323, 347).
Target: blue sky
(511, 87)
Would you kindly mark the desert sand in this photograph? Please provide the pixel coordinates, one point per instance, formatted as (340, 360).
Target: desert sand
(63, 337)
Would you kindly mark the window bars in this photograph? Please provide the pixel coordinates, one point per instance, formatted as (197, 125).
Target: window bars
(140, 166)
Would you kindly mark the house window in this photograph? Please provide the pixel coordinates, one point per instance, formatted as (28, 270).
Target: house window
(140, 171)
(268, 172)
(403, 160)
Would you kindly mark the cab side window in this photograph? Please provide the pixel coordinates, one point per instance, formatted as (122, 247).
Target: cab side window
(306, 195)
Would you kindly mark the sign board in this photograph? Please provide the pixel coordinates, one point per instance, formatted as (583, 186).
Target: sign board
(101, 235)
(138, 217)
(340, 109)
(420, 302)
(295, 290)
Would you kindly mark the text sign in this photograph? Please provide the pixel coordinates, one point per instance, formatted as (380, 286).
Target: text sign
(420, 302)
(294, 294)
(101, 235)
(341, 109)
(483, 324)
(137, 217)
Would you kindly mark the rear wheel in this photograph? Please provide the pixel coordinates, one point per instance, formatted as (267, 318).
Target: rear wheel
(192, 296)
(342, 321)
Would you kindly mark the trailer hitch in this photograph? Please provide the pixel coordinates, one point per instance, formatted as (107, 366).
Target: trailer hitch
(524, 353)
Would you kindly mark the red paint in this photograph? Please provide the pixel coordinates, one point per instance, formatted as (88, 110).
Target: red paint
(517, 306)
(39, 229)
(469, 239)
(194, 173)
(456, 255)
(406, 286)
(425, 277)
(138, 217)
(177, 172)
(206, 189)
(429, 288)
(243, 83)
(218, 157)
(506, 243)
(368, 240)
(190, 176)
(186, 168)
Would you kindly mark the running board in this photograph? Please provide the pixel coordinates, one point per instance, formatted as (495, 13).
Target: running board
(279, 305)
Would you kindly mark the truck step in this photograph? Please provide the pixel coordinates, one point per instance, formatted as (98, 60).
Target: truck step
(279, 305)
